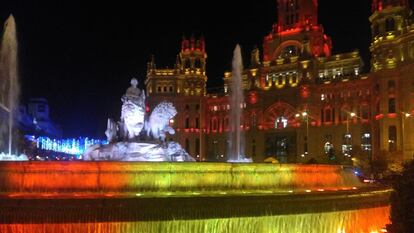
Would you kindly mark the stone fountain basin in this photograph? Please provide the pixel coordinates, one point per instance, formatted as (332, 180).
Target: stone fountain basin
(162, 179)
(112, 197)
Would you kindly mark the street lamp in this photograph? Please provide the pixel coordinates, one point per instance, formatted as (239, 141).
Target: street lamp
(404, 116)
(348, 138)
(305, 115)
(351, 114)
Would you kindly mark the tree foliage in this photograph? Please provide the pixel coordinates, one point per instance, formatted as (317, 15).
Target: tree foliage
(402, 202)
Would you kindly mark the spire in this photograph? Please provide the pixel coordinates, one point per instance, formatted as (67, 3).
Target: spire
(192, 41)
(177, 62)
(255, 57)
(296, 14)
(184, 44)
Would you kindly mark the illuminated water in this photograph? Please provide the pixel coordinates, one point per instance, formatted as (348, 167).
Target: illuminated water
(187, 197)
(236, 137)
(73, 146)
(9, 84)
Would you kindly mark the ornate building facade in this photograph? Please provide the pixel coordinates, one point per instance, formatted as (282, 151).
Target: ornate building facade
(302, 101)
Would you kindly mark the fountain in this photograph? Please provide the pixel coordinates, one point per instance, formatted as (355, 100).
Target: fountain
(236, 136)
(133, 138)
(9, 89)
(105, 194)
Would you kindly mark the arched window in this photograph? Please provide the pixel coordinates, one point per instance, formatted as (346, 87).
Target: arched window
(289, 51)
(392, 138)
(391, 105)
(214, 123)
(226, 123)
(197, 123)
(328, 115)
(281, 123)
(187, 63)
(389, 24)
(187, 122)
(187, 145)
(391, 85)
(197, 63)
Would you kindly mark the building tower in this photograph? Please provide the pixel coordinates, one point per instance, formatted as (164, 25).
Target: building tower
(184, 86)
(392, 56)
(297, 32)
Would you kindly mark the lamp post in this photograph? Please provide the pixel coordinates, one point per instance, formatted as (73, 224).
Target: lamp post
(306, 116)
(404, 116)
(348, 137)
(351, 114)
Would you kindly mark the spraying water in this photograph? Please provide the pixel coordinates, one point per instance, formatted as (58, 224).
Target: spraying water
(9, 85)
(236, 102)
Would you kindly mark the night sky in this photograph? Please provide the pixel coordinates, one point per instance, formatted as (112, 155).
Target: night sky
(81, 56)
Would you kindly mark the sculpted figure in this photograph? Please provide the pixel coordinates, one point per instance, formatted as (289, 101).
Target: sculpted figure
(159, 120)
(133, 111)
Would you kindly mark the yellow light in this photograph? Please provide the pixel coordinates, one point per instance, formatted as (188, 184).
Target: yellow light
(304, 114)
(352, 114)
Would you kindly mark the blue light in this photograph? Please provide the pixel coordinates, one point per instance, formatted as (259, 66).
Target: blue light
(73, 146)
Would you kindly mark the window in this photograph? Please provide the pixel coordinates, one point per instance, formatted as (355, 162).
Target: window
(171, 89)
(165, 89)
(347, 145)
(392, 138)
(281, 123)
(366, 142)
(197, 123)
(197, 63)
(226, 123)
(389, 24)
(197, 106)
(391, 84)
(215, 126)
(328, 115)
(187, 63)
(41, 108)
(187, 145)
(365, 112)
(187, 122)
(159, 89)
(391, 105)
(187, 107)
(197, 146)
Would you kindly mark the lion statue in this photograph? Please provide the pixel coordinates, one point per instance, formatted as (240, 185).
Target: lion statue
(132, 117)
(158, 122)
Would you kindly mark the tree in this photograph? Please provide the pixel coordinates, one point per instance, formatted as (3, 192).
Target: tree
(402, 202)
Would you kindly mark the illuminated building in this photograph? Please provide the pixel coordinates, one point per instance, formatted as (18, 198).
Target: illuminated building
(302, 101)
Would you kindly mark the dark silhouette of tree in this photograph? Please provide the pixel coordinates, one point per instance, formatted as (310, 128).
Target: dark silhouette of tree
(402, 202)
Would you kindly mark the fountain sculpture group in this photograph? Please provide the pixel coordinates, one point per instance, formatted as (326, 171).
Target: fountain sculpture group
(136, 138)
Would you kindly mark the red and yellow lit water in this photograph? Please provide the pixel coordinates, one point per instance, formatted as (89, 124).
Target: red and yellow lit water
(315, 189)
